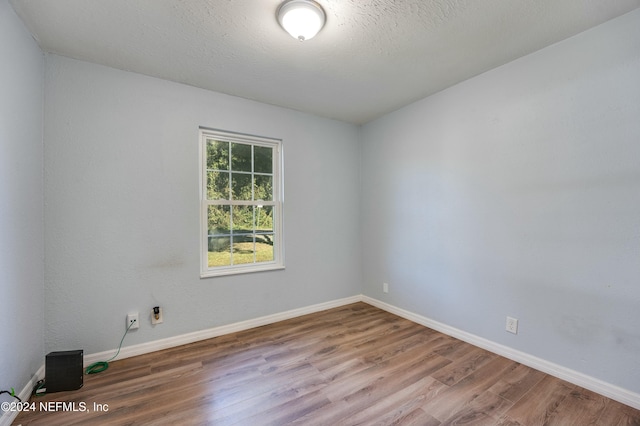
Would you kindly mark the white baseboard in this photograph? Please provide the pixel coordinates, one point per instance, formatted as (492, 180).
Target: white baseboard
(8, 417)
(195, 336)
(619, 394)
(157, 345)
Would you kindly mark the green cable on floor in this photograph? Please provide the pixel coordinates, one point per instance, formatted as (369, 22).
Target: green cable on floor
(100, 366)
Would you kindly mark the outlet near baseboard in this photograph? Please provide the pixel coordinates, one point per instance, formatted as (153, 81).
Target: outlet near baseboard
(156, 315)
(133, 321)
(512, 325)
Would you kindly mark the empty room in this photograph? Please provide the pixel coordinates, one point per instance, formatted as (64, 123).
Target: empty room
(329, 212)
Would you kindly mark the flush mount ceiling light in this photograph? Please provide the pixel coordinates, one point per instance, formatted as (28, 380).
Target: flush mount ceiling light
(301, 18)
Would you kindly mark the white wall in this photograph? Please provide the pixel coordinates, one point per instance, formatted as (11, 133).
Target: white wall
(518, 193)
(21, 209)
(122, 208)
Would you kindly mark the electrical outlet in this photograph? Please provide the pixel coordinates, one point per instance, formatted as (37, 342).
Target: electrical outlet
(512, 325)
(156, 315)
(133, 318)
(385, 287)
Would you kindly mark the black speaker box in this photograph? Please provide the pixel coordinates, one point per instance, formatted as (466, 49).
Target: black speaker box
(63, 371)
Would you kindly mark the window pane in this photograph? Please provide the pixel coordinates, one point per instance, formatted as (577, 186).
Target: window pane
(219, 219)
(264, 248)
(219, 251)
(263, 188)
(217, 185)
(241, 202)
(217, 155)
(243, 249)
(264, 219)
(241, 186)
(240, 157)
(242, 219)
(263, 159)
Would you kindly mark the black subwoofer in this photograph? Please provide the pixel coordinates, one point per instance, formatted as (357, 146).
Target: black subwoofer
(63, 371)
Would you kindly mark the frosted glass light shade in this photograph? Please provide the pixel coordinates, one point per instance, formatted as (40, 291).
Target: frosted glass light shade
(301, 18)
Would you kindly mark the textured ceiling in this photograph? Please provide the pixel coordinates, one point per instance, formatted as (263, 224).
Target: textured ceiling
(372, 56)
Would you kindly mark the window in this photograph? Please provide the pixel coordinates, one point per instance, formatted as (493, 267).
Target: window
(241, 203)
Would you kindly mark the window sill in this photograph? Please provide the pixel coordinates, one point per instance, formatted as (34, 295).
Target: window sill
(243, 270)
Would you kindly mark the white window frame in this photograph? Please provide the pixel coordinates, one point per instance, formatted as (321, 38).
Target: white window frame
(277, 203)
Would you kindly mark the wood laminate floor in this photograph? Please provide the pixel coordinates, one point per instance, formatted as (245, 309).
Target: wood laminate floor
(353, 365)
